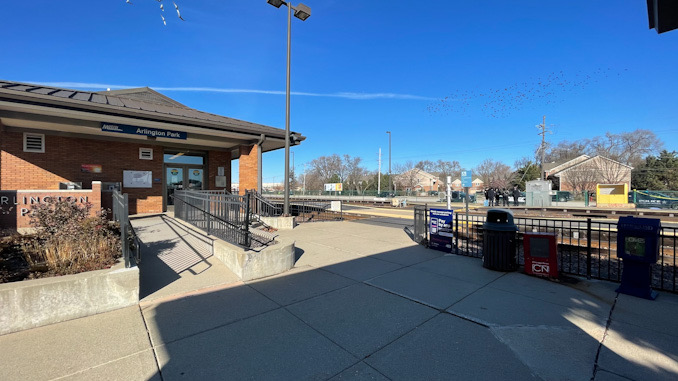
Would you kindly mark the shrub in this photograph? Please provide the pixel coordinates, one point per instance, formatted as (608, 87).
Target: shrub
(69, 241)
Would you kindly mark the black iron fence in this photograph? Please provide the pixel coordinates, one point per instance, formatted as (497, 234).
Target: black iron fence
(313, 210)
(129, 241)
(316, 211)
(420, 224)
(585, 247)
(263, 207)
(220, 214)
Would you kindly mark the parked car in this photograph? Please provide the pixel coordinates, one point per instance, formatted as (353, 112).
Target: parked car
(562, 196)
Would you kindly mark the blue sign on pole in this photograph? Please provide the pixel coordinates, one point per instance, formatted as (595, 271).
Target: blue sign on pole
(146, 131)
(441, 229)
(467, 179)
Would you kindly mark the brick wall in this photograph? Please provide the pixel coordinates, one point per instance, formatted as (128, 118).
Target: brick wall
(62, 160)
(15, 206)
(248, 171)
(216, 159)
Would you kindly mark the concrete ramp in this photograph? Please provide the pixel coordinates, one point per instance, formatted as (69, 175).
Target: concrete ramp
(176, 258)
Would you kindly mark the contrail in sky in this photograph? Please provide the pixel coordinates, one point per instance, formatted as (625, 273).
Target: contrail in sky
(345, 95)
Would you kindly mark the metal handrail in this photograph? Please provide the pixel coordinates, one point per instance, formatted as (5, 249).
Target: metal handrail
(262, 206)
(128, 238)
(214, 212)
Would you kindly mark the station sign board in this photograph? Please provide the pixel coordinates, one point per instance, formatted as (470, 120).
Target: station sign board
(466, 179)
(146, 131)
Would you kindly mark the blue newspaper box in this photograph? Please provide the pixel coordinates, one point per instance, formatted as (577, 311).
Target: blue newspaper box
(638, 246)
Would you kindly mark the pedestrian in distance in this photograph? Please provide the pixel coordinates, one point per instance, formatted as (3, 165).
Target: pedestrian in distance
(516, 194)
(505, 193)
(497, 195)
(490, 196)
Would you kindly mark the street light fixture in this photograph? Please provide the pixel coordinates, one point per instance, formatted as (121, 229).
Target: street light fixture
(302, 12)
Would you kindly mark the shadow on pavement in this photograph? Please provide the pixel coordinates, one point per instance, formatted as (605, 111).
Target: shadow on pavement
(349, 311)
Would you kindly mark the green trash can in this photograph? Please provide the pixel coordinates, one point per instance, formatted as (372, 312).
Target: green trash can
(499, 240)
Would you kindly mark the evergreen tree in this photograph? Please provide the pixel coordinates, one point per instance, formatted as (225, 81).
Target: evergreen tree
(657, 172)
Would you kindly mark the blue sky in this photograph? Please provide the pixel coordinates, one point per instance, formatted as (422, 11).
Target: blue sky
(452, 80)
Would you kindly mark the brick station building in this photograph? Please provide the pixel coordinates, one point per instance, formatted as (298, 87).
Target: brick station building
(136, 139)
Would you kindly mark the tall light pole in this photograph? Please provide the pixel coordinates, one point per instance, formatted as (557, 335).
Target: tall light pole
(389, 161)
(302, 12)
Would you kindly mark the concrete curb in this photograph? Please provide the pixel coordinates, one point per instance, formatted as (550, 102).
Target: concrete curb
(34, 303)
(255, 264)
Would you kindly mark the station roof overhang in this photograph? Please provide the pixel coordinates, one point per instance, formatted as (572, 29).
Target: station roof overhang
(75, 113)
(662, 15)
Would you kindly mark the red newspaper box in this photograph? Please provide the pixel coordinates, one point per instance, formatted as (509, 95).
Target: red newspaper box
(541, 254)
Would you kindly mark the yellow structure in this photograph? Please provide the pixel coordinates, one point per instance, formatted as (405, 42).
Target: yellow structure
(612, 194)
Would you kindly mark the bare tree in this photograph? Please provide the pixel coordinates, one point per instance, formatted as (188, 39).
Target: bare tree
(494, 173)
(406, 177)
(565, 150)
(627, 147)
(582, 177)
(447, 168)
(352, 171)
(426, 166)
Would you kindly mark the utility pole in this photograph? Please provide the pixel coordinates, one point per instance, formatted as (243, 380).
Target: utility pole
(543, 132)
(304, 191)
(389, 161)
(379, 175)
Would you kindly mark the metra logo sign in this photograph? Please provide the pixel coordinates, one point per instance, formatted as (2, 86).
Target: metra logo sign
(154, 132)
(111, 127)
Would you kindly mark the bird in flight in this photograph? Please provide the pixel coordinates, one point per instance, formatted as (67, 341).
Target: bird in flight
(163, 20)
(178, 13)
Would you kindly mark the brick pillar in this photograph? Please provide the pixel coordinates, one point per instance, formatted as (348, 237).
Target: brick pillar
(95, 199)
(216, 159)
(248, 171)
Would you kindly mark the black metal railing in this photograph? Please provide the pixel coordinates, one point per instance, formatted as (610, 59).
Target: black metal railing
(128, 239)
(263, 207)
(420, 224)
(223, 215)
(585, 247)
(316, 211)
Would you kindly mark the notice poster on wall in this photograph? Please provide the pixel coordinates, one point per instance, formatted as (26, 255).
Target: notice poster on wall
(90, 168)
(137, 179)
(441, 229)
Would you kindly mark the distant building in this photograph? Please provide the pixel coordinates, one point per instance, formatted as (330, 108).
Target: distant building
(584, 172)
(417, 180)
(477, 185)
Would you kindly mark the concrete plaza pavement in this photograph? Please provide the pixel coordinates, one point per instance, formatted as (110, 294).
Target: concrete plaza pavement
(363, 302)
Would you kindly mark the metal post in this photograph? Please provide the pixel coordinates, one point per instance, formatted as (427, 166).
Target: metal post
(588, 248)
(426, 223)
(286, 205)
(456, 233)
(124, 222)
(468, 233)
(449, 191)
(247, 220)
(209, 215)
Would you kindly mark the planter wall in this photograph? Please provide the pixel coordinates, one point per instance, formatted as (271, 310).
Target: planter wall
(34, 303)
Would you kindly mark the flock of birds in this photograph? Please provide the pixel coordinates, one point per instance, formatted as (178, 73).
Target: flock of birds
(498, 103)
(162, 9)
